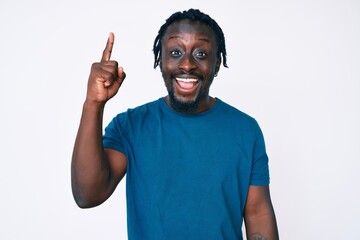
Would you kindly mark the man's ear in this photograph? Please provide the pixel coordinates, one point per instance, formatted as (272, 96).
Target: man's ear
(217, 66)
(160, 65)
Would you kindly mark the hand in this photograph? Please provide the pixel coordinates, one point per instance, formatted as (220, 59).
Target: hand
(105, 77)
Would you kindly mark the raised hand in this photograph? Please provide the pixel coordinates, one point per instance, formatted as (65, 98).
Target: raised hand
(105, 77)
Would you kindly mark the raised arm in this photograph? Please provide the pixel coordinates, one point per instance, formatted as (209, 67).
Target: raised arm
(259, 215)
(95, 172)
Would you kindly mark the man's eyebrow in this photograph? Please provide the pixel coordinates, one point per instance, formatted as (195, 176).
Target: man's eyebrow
(206, 39)
(175, 36)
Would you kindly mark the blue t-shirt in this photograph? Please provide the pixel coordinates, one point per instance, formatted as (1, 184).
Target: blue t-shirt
(188, 174)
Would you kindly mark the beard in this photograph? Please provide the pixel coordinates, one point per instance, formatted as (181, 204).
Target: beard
(177, 103)
(180, 105)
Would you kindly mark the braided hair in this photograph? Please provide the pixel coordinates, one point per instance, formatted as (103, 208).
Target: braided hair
(195, 15)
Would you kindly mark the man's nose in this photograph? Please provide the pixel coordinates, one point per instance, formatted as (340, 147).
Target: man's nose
(187, 63)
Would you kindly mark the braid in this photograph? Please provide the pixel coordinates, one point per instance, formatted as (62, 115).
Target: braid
(196, 15)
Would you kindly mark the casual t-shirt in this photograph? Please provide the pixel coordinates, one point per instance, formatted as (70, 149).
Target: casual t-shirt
(188, 174)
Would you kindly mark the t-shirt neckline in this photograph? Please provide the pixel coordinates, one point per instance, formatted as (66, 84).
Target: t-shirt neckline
(166, 107)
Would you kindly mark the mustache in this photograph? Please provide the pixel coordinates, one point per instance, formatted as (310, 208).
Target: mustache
(185, 73)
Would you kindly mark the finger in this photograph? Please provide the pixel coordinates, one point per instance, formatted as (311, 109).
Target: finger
(120, 78)
(112, 66)
(109, 67)
(120, 75)
(113, 75)
(108, 49)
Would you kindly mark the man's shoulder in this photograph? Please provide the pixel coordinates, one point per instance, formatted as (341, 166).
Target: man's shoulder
(237, 119)
(135, 115)
(141, 111)
(234, 111)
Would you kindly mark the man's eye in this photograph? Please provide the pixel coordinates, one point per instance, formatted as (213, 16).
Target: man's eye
(201, 54)
(175, 53)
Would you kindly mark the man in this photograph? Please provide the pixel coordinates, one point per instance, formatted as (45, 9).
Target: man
(195, 166)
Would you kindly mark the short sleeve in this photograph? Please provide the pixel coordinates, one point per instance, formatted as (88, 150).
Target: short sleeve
(260, 164)
(114, 134)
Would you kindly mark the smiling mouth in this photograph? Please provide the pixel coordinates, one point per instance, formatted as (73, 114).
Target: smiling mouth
(187, 83)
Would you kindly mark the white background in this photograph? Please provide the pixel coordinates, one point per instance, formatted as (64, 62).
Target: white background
(293, 65)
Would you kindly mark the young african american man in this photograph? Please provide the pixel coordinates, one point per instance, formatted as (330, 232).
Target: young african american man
(195, 166)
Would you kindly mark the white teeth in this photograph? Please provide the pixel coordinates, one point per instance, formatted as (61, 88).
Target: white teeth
(187, 79)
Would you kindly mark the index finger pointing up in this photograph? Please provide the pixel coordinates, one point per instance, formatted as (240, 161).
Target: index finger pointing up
(108, 49)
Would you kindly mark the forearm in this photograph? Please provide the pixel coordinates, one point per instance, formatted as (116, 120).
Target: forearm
(259, 215)
(90, 169)
(262, 227)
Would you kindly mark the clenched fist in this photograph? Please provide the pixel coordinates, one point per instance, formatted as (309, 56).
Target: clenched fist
(105, 77)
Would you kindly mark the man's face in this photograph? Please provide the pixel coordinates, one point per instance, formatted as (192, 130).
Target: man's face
(188, 64)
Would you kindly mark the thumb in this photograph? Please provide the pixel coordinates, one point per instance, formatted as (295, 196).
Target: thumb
(121, 76)
(114, 88)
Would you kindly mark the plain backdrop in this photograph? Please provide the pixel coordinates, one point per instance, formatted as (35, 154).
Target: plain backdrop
(293, 65)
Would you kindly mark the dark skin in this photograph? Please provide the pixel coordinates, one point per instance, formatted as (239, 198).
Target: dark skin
(188, 64)
(95, 171)
(189, 54)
